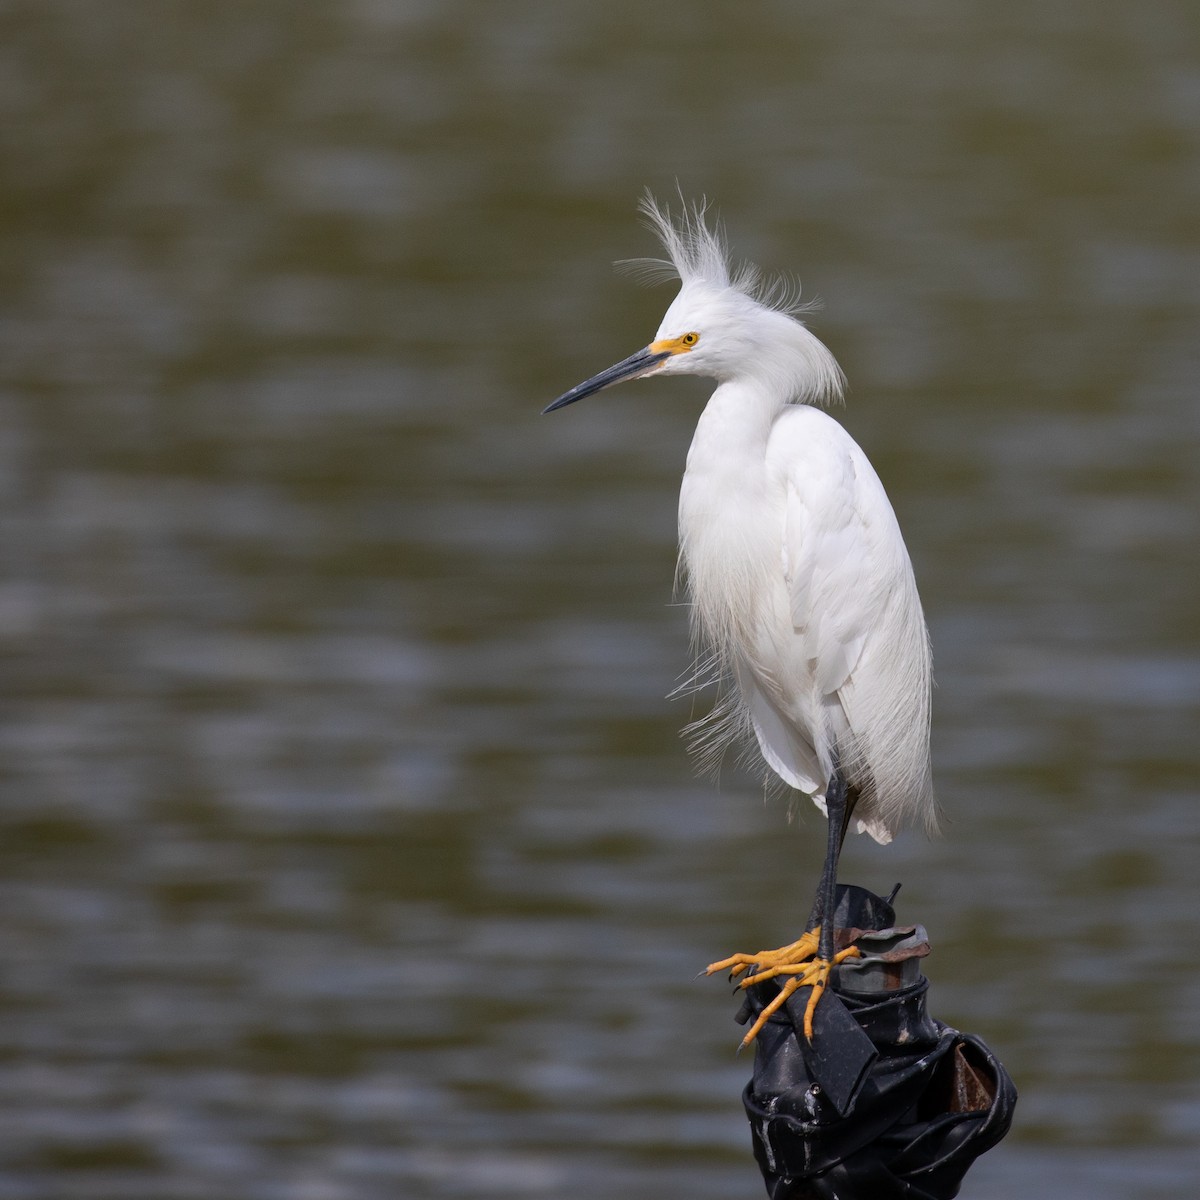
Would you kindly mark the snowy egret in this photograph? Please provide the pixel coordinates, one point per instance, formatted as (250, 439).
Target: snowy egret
(802, 594)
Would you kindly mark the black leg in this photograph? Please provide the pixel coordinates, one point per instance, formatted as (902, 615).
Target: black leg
(797, 961)
(839, 804)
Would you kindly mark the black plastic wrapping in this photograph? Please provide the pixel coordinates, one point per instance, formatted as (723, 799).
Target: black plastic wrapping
(886, 1102)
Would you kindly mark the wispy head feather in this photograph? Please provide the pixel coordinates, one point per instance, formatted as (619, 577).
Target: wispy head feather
(698, 253)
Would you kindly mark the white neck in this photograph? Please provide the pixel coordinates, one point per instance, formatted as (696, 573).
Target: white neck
(736, 421)
(725, 476)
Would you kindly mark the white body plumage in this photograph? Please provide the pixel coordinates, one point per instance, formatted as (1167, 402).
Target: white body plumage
(802, 591)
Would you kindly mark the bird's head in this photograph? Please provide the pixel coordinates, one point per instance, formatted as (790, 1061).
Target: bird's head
(723, 324)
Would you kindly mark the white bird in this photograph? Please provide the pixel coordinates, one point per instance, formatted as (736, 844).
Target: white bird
(802, 592)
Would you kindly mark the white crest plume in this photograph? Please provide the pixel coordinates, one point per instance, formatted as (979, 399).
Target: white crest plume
(698, 253)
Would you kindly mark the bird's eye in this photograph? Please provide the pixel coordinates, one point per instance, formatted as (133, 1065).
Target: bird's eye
(689, 339)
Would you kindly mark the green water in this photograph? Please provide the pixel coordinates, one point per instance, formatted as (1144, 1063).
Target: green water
(348, 847)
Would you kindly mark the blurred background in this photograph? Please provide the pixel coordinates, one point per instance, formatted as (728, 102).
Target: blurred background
(348, 848)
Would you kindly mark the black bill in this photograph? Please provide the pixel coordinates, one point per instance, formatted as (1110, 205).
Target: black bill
(633, 367)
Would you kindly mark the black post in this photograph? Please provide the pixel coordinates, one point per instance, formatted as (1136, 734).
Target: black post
(886, 1103)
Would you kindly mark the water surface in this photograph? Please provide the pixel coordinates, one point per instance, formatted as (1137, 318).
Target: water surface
(349, 848)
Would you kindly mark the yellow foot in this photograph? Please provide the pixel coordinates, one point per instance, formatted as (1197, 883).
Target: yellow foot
(768, 962)
(799, 962)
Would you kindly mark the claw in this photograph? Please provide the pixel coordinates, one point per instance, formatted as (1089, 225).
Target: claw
(820, 984)
(800, 950)
(813, 974)
(770, 1010)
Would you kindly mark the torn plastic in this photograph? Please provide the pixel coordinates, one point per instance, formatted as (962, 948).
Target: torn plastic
(885, 1102)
